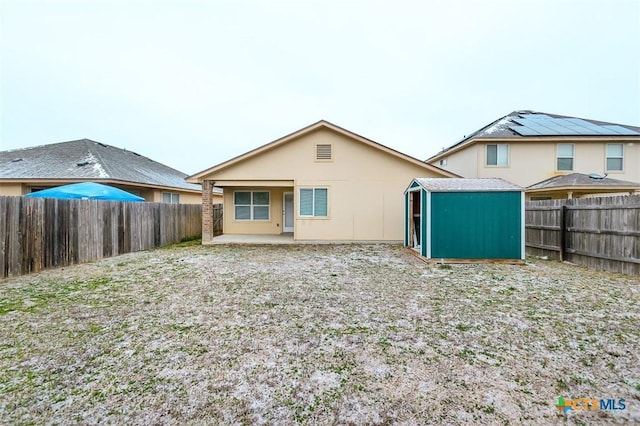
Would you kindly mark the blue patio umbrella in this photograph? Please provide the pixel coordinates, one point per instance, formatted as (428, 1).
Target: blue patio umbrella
(86, 191)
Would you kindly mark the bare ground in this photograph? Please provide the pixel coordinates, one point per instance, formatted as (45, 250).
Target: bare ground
(345, 334)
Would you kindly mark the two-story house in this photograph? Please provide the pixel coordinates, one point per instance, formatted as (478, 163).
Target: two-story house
(527, 147)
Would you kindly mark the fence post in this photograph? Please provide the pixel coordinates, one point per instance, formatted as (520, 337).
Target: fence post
(563, 232)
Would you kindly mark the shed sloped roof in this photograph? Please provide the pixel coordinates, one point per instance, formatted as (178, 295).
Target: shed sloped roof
(90, 160)
(580, 180)
(466, 184)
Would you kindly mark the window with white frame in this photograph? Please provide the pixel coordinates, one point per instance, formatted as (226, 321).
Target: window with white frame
(314, 202)
(564, 160)
(615, 157)
(251, 205)
(170, 197)
(497, 155)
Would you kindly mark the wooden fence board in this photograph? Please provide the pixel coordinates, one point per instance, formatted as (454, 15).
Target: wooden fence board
(42, 233)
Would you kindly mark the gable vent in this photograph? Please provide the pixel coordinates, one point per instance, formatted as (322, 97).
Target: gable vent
(323, 152)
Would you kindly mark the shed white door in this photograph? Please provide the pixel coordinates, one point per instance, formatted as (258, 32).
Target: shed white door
(287, 212)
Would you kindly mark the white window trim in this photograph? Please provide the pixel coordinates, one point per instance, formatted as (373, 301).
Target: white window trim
(606, 158)
(251, 206)
(497, 145)
(573, 157)
(312, 216)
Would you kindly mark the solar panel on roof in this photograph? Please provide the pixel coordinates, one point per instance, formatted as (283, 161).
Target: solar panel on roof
(532, 124)
(621, 130)
(543, 125)
(535, 116)
(567, 130)
(524, 131)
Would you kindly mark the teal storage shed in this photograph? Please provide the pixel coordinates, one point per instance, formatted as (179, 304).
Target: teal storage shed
(458, 218)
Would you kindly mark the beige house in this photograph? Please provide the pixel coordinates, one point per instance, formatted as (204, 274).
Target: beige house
(320, 183)
(27, 170)
(528, 147)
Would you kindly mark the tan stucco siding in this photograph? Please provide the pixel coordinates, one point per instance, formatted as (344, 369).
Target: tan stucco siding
(358, 211)
(365, 189)
(13, 189)
(296, 160)
(464, 163)
(532, 162)
(185, 197)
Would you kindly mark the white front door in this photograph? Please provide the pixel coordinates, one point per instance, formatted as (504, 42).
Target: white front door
(287, 212)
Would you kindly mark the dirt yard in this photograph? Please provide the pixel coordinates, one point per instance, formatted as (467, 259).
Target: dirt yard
(345, 334)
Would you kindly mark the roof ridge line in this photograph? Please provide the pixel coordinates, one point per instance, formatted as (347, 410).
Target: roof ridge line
(96, 154)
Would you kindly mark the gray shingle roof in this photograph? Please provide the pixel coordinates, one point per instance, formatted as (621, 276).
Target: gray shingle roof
(581, 180)
(466, 184)
(89, 160)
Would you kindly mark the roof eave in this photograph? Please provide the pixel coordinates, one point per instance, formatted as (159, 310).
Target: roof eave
(101, 180)
(597, 188)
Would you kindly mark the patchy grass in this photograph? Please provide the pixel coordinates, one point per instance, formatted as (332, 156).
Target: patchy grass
(347, 334)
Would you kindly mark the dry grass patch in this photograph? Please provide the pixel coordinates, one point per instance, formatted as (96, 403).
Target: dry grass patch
(346, 334)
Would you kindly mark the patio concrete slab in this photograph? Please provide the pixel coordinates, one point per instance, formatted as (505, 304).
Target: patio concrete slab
(286, 238)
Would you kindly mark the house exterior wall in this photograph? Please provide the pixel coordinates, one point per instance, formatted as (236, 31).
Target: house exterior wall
(155, 196)
(365, 188)
(532, 161)
(465, 162)
(14, 189)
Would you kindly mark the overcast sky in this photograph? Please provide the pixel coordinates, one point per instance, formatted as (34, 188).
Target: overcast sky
(193, 83)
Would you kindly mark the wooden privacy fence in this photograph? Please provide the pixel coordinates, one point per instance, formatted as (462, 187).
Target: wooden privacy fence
(602, 233)
(37, 233)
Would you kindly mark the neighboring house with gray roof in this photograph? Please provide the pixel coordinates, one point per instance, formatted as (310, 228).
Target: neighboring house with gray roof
(26, 170)
(578, 185)
(526, 147)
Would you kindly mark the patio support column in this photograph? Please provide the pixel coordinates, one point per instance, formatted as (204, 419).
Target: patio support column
(207, 211)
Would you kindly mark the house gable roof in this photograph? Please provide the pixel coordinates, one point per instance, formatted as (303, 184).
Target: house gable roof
(582, 181)
(322, 124)
(532, 125)
(86, 159)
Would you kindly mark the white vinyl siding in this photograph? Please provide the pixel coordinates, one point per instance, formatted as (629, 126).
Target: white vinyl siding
(615, 157)
(251, 205)
(498, 155)
(314, 202)
(564, 161)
